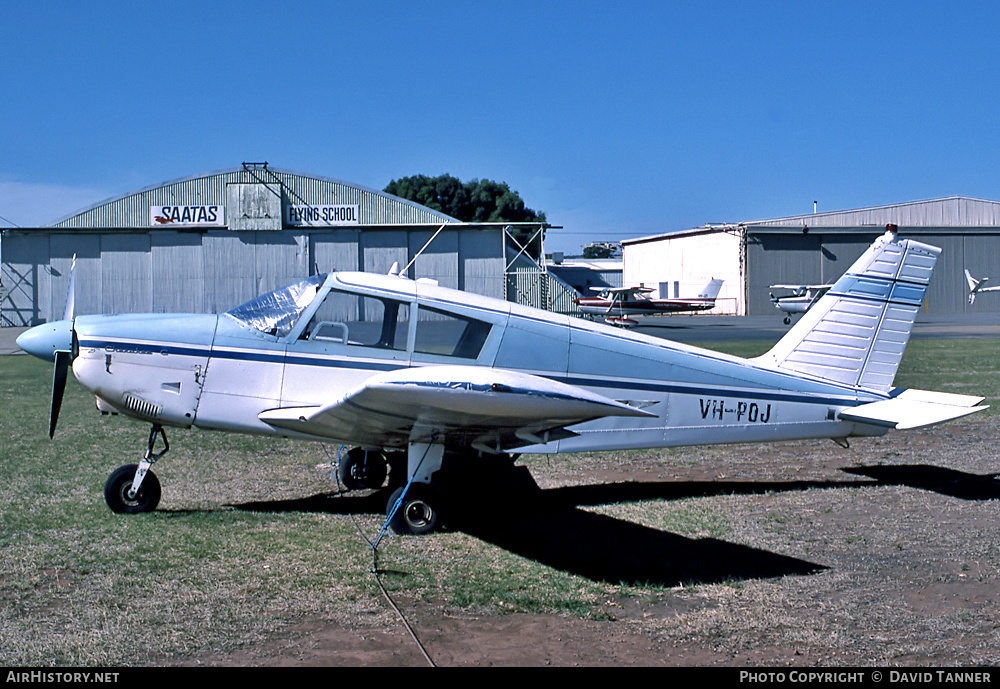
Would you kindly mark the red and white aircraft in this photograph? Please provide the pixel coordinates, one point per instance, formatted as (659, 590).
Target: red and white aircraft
(617, 303)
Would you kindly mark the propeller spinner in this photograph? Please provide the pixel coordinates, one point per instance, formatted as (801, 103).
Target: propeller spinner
(52, 342)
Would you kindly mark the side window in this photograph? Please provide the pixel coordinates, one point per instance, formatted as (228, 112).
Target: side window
(447, 334)
(361, 320)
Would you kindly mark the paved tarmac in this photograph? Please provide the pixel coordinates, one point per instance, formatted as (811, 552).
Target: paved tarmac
(695, 329)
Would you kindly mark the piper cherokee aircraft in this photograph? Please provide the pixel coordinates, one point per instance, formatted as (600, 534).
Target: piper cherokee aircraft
(616, 303)
(977, 286)
(799, 300)
(417, 377)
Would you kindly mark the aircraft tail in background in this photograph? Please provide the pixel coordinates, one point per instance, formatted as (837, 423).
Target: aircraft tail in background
(712, 289)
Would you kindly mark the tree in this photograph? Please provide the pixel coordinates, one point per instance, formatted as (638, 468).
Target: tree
(473, 201)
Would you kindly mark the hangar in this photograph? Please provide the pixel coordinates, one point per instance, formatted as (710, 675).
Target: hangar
(206, 243)
(817, 248)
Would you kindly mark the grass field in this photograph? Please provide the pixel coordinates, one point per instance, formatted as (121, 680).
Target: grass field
(250, 535)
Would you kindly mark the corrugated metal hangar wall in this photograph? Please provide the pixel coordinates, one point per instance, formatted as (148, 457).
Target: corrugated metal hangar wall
(818, 248)
(205, 244)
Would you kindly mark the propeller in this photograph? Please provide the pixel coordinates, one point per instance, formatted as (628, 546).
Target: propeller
(71, 297)
(55, 342)
(59, 374)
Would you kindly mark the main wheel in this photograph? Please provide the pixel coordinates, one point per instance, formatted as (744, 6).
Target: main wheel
(120, 482)
(361, 468)
(419, 512)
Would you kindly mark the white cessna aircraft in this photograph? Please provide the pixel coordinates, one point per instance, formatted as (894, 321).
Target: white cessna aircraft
(799, 299)
(415, 377)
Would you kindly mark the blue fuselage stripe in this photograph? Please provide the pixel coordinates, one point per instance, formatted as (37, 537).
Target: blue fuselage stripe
(278, 357)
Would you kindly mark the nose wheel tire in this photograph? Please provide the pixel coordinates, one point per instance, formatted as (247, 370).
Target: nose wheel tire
(117, 487)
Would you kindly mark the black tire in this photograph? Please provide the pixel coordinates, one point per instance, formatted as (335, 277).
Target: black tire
(118, 484)
(419, 513)
(362, 469)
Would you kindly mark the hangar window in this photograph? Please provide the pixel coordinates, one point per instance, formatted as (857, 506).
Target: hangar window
(447, 334)
(358, 319)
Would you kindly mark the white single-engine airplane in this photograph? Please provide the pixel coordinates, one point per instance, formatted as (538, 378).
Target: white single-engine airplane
(617, 303)
(798, 300)
(977, 286)
(415, 377)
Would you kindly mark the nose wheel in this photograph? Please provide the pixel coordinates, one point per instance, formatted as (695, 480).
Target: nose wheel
(118, 489)
(134, 488)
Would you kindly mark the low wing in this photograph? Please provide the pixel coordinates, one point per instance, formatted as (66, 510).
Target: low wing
(914, 409)
(491, 409)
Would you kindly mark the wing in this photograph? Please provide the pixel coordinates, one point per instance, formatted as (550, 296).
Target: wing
(627, 292)
(487, 408)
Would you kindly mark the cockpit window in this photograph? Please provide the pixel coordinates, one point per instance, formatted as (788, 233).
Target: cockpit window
(276, 312)
(358, 319)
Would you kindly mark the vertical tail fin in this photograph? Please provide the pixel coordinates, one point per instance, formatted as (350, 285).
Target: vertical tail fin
(973, 282)
(856, 333)
(712, 289)
(974, 285)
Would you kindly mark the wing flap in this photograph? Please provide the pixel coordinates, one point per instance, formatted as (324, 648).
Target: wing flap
(491, 408)
(915, 409)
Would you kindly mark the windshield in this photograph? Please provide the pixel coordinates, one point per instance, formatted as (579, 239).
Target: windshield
(276, 312)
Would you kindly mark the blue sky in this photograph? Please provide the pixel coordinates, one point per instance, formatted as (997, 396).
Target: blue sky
(616, 119)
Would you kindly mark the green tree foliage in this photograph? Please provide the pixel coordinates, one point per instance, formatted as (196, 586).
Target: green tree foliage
(473, 201)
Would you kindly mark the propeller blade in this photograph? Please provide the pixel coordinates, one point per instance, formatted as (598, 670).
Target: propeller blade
(71, 296)
(59, 374)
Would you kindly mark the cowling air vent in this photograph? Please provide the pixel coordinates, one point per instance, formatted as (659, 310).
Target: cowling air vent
(141, 407)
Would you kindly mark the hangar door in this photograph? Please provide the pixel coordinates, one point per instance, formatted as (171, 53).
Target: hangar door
(797, 258)
(779, 259)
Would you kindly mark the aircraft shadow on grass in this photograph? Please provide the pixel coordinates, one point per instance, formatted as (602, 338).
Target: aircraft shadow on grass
(956, 484)
(550, 527)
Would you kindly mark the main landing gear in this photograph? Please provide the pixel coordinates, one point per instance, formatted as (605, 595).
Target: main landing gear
(414, 509)
(415, 501)
(134, 488)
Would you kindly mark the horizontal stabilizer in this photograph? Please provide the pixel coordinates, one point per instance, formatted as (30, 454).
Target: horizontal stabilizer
(914, 409)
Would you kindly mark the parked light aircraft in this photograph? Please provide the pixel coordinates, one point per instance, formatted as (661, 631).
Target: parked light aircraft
(798, 300)
(415, 377)
(617, 303)
(977, 286)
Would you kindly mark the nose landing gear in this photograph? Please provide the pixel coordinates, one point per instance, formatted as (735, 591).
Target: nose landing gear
(134, 488)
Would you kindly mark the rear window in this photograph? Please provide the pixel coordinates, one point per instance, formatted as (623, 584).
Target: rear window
(446, 334)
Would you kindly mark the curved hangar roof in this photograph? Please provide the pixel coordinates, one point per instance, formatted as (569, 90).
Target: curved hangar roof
(252, 197)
